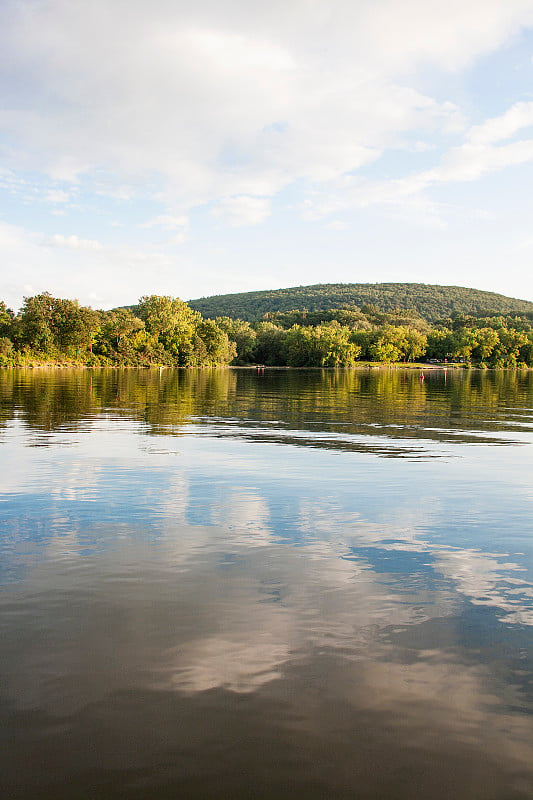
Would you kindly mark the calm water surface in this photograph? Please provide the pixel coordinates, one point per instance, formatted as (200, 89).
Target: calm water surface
(288, 584)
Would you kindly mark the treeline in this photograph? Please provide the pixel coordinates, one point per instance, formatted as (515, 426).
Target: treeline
(378, 337)
(166, 331)
(430, 301)
(158, 331)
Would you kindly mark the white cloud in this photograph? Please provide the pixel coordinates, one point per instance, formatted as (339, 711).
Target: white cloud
(243, 210)
(95, 273)
(471, 161)
(229, 98)
(73, 242)
(179, 238)
(479, 155)
(519, 116)
(57, 196)
(168, 222)
(157, 110)
(337, 225)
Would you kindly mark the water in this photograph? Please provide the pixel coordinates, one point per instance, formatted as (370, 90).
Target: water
(278, 584)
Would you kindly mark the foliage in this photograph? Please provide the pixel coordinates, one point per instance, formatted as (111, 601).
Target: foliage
(163, 330)
(211, 345)
(243, 335)
(116, 325)
(324, 346)
(270, 346)
(6, 346)
(53, 326)
(6, 319)
(430, 302)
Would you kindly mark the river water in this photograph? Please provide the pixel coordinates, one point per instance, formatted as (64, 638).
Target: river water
(276, 584)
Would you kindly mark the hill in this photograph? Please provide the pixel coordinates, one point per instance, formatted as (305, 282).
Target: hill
(431, 302)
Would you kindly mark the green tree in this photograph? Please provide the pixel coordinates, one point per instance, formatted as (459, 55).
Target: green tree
(6, 346)
(212, 346)
(6, 319)
(363, 340)
(440, 344)
(329, 345)
(390, 344)
(115, 327)
(73, 326)
(36, 322)
(464, 340)
(487, 340)
(335, 345)
(243, 335)
(270, 344)
(526, 351)
(415, 344)
(507, 351)
(301, 347)
(172, 321)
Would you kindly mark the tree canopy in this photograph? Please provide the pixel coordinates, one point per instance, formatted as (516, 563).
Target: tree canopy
(164, 330)
(429, 301)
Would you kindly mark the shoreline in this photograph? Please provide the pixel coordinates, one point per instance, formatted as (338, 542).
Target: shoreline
(426, 367)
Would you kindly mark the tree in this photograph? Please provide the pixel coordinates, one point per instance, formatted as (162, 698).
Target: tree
(526, 351)
(507, 351)
(301, 347)
(6, 319)
(464, 341)
(363, 340)
(6, 346)
(243, 335)
(487, 340)
(36, 320)
(416, 344)
(390, 344)
(115, 326)
(73, 326)
(54, 325)
(212, 346)
(398, 343)
(172, 321)
(335, 345)
(270, 347)
(440, 344)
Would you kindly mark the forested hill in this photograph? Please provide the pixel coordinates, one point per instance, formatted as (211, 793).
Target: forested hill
(431, 302)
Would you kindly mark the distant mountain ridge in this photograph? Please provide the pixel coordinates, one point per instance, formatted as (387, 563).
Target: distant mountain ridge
(431, 301)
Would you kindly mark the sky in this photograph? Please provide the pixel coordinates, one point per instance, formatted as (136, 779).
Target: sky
(192, 149)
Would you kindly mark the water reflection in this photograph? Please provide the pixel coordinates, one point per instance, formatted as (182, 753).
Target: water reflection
(186, 667)
(204, 595)
(392, 403)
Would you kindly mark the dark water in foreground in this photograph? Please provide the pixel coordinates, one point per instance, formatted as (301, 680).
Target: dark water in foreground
(279, 585)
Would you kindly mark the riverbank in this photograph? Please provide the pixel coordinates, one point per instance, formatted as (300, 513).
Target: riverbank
(424, 366)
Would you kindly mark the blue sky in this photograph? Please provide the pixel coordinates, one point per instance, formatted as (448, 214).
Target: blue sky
(221, 146)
